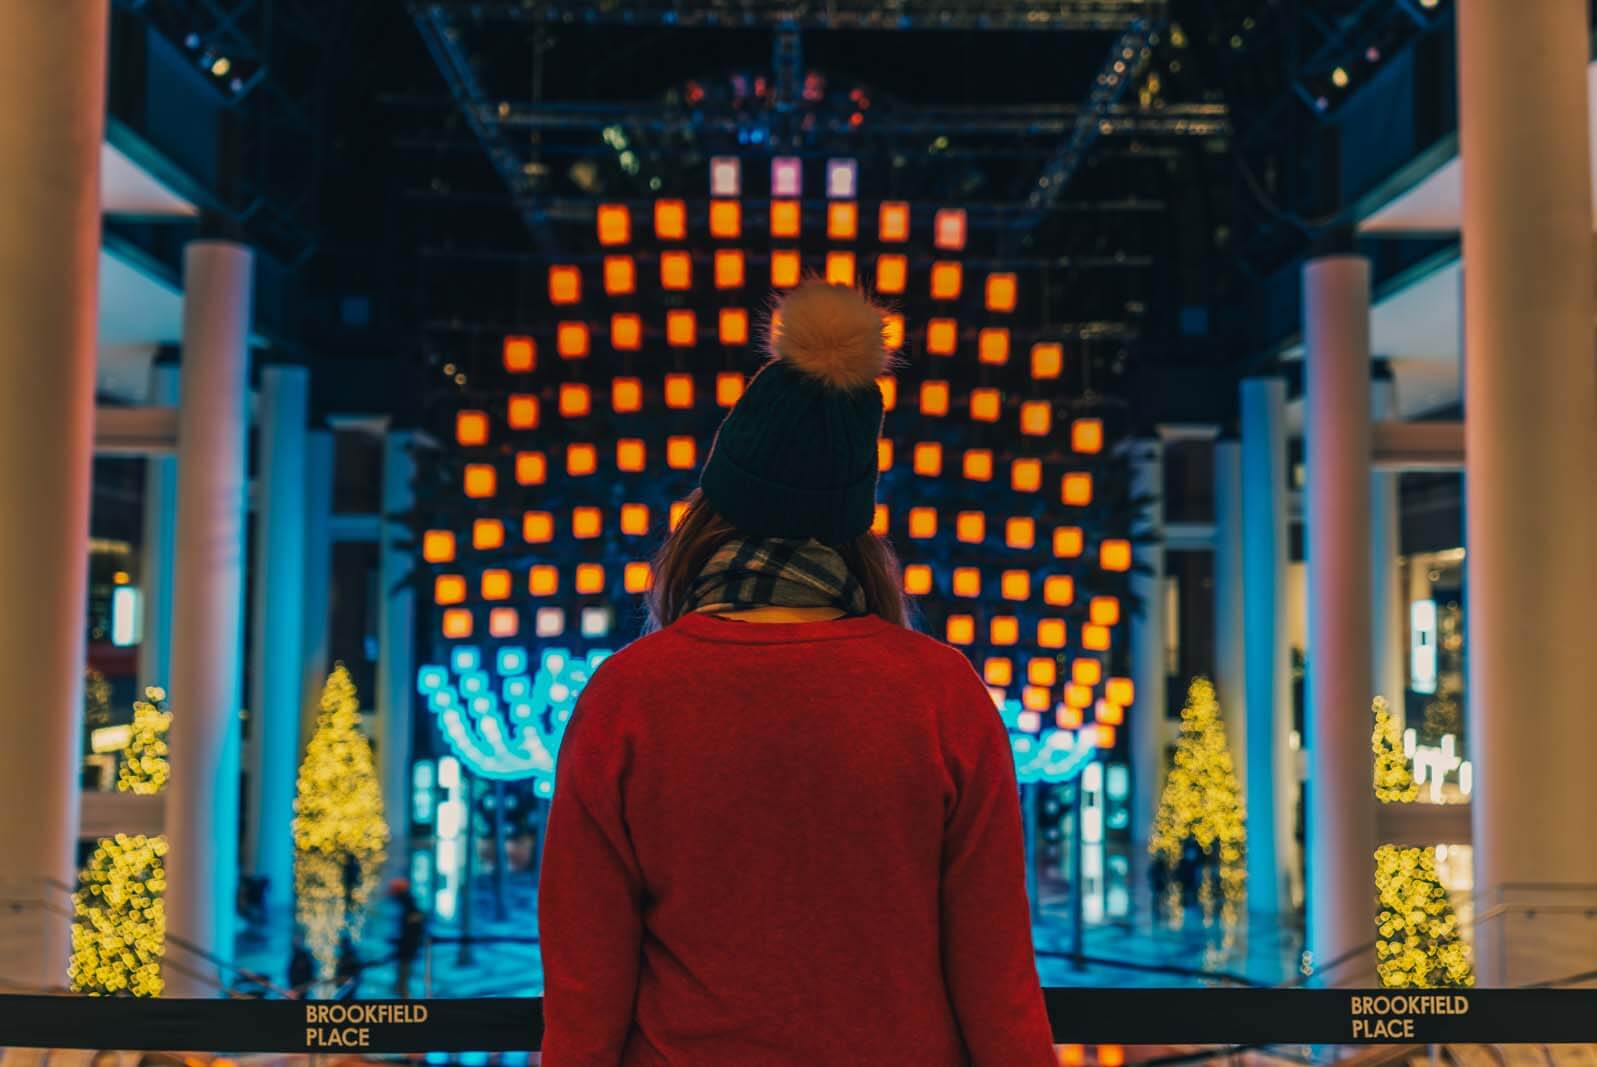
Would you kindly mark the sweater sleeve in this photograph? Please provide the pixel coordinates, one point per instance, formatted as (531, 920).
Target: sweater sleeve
(589, 901)
(989, 962)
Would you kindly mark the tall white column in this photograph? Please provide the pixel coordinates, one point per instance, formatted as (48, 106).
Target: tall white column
(1341, 798)
(160, 531)
(396, 628)
(1530, 401)
(1272, 772)
(1230, 678)
(51, 120)
(208, 612)
(1387, 646)
(314, 653)
(277, 625)
(1147, 713)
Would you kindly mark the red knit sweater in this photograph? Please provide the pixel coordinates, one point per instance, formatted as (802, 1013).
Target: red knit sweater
(778, 844)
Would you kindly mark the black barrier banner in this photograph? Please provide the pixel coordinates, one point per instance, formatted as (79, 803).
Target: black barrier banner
(1079, 1016)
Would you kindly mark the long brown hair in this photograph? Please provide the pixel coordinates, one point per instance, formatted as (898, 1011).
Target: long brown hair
(701, 533)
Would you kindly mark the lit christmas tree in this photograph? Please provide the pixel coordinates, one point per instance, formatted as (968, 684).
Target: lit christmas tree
(1394, 783)
(340, 835)
(1202, 801)
(144, 769)
(1419, 944)
(119, 924)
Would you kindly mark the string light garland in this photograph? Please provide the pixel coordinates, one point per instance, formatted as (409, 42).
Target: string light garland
(145, 770)
(1419, 946)
(1201, 800)
(1394, 782)
(119, 919)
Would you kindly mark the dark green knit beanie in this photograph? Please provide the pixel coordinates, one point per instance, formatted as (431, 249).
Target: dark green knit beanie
(796, 456)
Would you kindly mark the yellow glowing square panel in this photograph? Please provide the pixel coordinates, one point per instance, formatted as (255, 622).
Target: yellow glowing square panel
(521, 411)
(481, 480)
(487, 534)
(917, 579)
(1095, 638)
(681, 328)
(1086, 435)
(947, 279)
(438, 546)
(892, 273)
(996, 670)
(892, 221)
(1041, 670)
(614, 224)
(581, 460)
(1068, 718)
(1036, 418)
(520, 354)
(728, 268)
(967, 581)
(1110, 714)
(1120, 691)
(537, 527)
(543, 580)
(681, 453)
(922, 523)
(840, 268)
(1104, 610)
(449, 589)
(1025, 475)
(934, 398)
(929, 459)
(620, 275)
(960, 630)
(942, 337)
(733, 326)
(679, 391)
(471, 428)
(992, 346)
(631, 454)
(626, 395)
(729, 384)
(1047, 360)
(565, 284)
(635, 519)
(670, 220)
(1035, 698)
(575, 400)
(726, 219)
(1059, 589)
(884, 454)
(978, 464)
(1086, 672)
(571, 340)
(888, 386)
(626, 332)
(1001, 289)
(893, 331)
(1078, 696)
(785, 218)
(1051, 633)
(679, 508)
(532, 468)
(986, 404)
(1015, 585)
(676, 271)
(785, 268)
(637, 577)
(842, 220)
(1115, 555)
(879, 520)
(1020, 532)
(496, 584)
(1075, 489)
(1003, 630)
(457, 622)
(586, 522)
(948, 229)
(970, 527)
(1069, 541)
(590, 578)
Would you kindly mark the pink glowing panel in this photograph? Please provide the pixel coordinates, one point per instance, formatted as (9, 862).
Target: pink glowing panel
(842, 179)
(726, 176)
(949, 232)
(787, 176)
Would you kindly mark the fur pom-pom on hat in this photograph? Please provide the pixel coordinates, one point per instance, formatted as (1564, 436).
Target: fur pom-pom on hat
(830, 332)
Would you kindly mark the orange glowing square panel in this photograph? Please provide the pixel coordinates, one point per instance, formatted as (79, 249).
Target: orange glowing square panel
(635, 519)
(1015, 585)
(676, 270)
(892, 221)
(449, 589)
(1025, 475)
(1086, 436)
(1042, 671)
(733, 327)
(543, 580)
(1020, 532)
(1095, 638)
(786, 218)
(893, 331)
(565, 284)
(970, 527)
(681, 328)
(586, 522)
(496, 584)
(1036, 418)
(631, 454)
(681, 453)
(840, 268)
(978, 464)
(1069, 541)
(537, 527)
(615, 224)
(1003, 630)
(571, 340)
(1075, 489)
(729, 384)
(626, 332)
(726, 219)
(575, 400)
(1115, 555)
(1120, 691)
(1059, 589)
(1104, 610)
(785, 268)
(504, 622)
(1001, 289)
(892, 273)
(521, 411)
(626, 395)
(471, 428)
(1047, 360)
(960, 630)
(986, 404)
(1051, 633)
(942, 337)
(438, 546)
(728, 268)
(929, 459)
(879, 520)
(996, 670)
(887, 385)
(967, 581)
(842, 220)
(884, 454)
(922, 523)
(457, 622)
(948, 229)
(620, 275)
(670, 220)
(1086, 672)
(532, 468)
(947, 279)
(520, 354)
(481, 480)
(581, 460)
(917, 579)
(992, 346)
(637, 577)
(679, 390)
(679, 508)
(487, 534)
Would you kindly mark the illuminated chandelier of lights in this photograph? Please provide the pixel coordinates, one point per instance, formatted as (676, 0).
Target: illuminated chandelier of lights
(511, 732)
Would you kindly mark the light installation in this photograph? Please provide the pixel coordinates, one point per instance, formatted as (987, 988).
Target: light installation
(119, 919)
(569, 455)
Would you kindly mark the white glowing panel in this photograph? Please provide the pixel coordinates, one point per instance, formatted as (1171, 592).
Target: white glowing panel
(726, 176)
(842, 179)
(787, 177)
(549, 622)
(1422, 646)
(125, 616)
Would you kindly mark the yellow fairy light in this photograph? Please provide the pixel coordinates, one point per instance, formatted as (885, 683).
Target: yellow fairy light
(1394, 784)
(1201, 800)
(119, 919)
(145, 769)
(1419, 945)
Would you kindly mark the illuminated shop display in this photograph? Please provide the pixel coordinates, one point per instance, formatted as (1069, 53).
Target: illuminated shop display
(568, 445)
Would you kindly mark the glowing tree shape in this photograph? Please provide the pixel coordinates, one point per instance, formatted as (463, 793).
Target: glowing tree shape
(1394, 783)
(338, 822)
(511, 730)
(144, 769)
(1419, 944)
(119, 923)
(1201, 800)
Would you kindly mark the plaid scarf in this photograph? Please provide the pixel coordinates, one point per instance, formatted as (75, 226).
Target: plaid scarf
(782, 571)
